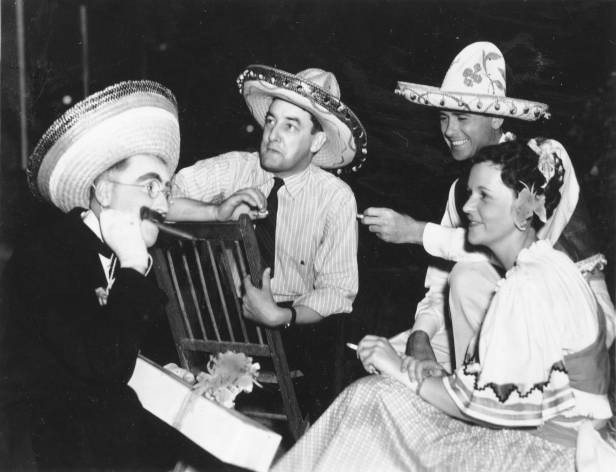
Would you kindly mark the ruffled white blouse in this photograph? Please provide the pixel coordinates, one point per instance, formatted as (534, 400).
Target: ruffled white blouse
(517, 376)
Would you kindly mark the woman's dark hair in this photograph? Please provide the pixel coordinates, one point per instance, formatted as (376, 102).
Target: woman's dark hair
(518, 164)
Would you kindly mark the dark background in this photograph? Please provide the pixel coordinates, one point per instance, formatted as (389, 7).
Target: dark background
(558, 52)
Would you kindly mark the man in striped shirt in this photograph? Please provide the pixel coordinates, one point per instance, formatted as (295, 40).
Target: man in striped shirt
(305, 129)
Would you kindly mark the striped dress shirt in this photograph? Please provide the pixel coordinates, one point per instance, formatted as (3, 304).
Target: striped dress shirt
(316, 232)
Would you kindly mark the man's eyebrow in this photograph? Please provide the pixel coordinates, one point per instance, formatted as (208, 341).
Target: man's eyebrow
(445, 114)
(287, 118)
(150, 176)
(293, 119)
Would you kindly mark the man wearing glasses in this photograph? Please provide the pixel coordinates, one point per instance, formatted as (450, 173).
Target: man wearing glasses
(81, 303)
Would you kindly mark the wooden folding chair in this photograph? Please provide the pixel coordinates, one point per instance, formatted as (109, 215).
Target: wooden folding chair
(202, 275)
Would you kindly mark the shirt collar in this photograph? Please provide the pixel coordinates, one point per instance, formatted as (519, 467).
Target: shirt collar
(295, 183)
(91, 221)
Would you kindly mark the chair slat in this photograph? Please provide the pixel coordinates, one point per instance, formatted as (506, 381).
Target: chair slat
(178, 294)
(193, 292)
(260, 335)
(206, 293)
(220, 291)
(239, 262)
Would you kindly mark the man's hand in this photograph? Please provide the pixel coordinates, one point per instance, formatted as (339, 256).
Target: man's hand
(378, 356)
(122, 233)
(421, 361)
(419, 370)
(419, 347)
(248, 200)
(393, 227)
(259, 304)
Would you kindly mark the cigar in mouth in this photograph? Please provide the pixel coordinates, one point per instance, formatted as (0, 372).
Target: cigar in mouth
(158, 219)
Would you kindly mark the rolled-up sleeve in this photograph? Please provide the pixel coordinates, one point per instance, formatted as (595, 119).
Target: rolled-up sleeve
(430, 313)
(213, 179)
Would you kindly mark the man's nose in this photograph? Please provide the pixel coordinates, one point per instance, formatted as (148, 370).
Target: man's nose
(274, 133)
(161, 203)
(451, 128)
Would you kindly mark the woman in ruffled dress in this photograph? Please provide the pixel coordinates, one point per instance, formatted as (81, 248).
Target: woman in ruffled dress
(536, 371)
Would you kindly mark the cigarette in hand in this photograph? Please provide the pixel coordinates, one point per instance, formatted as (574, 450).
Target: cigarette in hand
(360, 216)
(352, 346)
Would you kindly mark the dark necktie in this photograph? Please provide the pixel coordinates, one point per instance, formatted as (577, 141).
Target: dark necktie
(101, 247)
(266, 228)
(106, 251)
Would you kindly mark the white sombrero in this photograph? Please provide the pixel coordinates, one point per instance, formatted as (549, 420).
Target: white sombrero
(123, 120)
(475, 82)
(317, 92)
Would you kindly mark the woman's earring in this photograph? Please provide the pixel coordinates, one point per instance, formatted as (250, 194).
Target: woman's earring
(521, 225)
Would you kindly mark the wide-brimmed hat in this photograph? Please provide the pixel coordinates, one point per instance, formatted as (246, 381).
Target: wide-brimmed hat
(475, 83)
(123, 120)
(317, 92)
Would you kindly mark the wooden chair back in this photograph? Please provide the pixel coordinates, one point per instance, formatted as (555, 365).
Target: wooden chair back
(202, 272)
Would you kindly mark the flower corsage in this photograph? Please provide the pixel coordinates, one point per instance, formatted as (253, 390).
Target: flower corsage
(227, 375)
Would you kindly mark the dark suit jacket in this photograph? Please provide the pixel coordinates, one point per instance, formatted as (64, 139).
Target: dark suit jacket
(65, 359)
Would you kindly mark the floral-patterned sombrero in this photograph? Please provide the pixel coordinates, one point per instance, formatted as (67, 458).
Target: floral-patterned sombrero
(317, 92)
(475, 83)
(123, 120)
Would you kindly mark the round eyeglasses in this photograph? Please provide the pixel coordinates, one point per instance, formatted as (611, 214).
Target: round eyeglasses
(154, 188)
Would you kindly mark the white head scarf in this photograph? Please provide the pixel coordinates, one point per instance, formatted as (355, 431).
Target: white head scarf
(569, 191)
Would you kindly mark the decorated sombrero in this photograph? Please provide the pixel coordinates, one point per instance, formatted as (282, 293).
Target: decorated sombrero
(317, 92)
(123, 120)
(475, 83)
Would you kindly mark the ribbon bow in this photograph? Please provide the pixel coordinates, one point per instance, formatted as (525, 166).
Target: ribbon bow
(547, 159)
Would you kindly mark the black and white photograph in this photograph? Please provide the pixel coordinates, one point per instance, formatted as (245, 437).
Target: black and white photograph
(308, 235)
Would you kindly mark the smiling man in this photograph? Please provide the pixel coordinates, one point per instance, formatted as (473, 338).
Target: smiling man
(472, 103)
(465, 133)
(309, 237)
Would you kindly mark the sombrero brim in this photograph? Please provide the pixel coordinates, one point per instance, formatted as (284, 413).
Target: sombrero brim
(346, 136)
(473, 103)
(124, 120)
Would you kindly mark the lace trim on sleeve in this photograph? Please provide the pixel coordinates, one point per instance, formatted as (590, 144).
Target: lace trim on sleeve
(592, 263)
